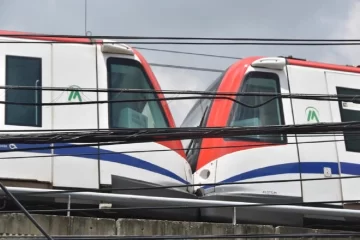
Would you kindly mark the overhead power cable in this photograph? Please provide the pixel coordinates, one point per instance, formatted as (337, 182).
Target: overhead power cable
(186, 186)
(177, 38)
(188, 53)
(175, 206)
(161, 150)
(186, 67)
(320, 97)
(351, 98)
(199, 43)
(141, 135)
(340, 234)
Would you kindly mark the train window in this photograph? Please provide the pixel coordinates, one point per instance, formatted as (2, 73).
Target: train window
(349, 112)
(265, 115)
(197, 117)
(26, 72)
(129, 74)
(197, 112)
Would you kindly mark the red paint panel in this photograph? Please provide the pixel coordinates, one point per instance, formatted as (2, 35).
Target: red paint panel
(170, 144)
(219, 115)
(323, 66)
(15, 34)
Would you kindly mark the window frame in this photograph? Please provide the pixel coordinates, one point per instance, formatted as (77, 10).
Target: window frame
(260, 74)
(40, 112)
(342, 118)
(130, 62)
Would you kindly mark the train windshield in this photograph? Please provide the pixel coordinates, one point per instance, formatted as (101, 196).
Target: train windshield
(264, 115)
(130, 74)
(201, 106)
(197, 115)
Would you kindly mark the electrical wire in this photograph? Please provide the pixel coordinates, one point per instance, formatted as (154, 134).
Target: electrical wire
(188, 53)
(184, 186)
(176, 38)
(164, 150)
(191, 237)
(186, 67)
(171, 207)
(192, 43)
(324, 97)
(158, 99)
(137, 135)
(187, 185)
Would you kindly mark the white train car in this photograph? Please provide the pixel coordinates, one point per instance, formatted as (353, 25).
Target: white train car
(281, 156)
(83, 63)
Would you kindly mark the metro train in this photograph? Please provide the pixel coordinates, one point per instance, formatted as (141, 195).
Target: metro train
(279, 156)
(76, 63)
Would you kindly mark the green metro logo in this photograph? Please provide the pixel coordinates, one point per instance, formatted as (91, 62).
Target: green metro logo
(312, 114)
(74, 93)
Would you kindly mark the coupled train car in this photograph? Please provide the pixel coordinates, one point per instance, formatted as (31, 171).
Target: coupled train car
(279, 156)
(78, 63)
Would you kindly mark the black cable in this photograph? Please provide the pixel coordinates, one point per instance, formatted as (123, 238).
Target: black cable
(178, 38)
(186, 67)
(182, 186)
(137, 135)
(158, 99)
(24, 211)
(160, 150)
(243, 43)
(191, 237)
(188, 53)
(171, 207)
(194, 43)
(325, 97)
(137, 100)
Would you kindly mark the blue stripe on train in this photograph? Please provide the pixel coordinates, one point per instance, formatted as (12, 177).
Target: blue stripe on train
(92, 153)
(110, 156)
(296, 167)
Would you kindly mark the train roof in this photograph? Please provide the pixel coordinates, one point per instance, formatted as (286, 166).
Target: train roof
(41, 37)
(279, 62)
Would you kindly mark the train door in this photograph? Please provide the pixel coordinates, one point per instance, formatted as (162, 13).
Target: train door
(348, 143)
(317, 153)
(74, 67)
(29, 65)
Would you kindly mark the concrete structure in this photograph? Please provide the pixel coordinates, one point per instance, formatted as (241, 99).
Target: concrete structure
(18, 224)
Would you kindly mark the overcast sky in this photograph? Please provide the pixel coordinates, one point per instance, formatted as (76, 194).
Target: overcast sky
(197, 18)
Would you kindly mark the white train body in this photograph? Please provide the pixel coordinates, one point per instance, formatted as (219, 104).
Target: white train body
(81, 65)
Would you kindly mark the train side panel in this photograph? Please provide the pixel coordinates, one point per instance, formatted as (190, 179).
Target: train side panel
(318, 155)
(25, 65)
(347, 145)
(74, 66)
(150, 162)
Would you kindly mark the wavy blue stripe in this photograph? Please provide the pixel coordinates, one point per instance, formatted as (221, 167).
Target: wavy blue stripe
(111, 156)
(296, 167)
(104, 155)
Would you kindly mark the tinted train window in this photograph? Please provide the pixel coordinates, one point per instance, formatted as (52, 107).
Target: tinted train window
(349, 112)
(197, 117)
(265, 115)
(196, 113)
(129, 74)
(26, 72)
